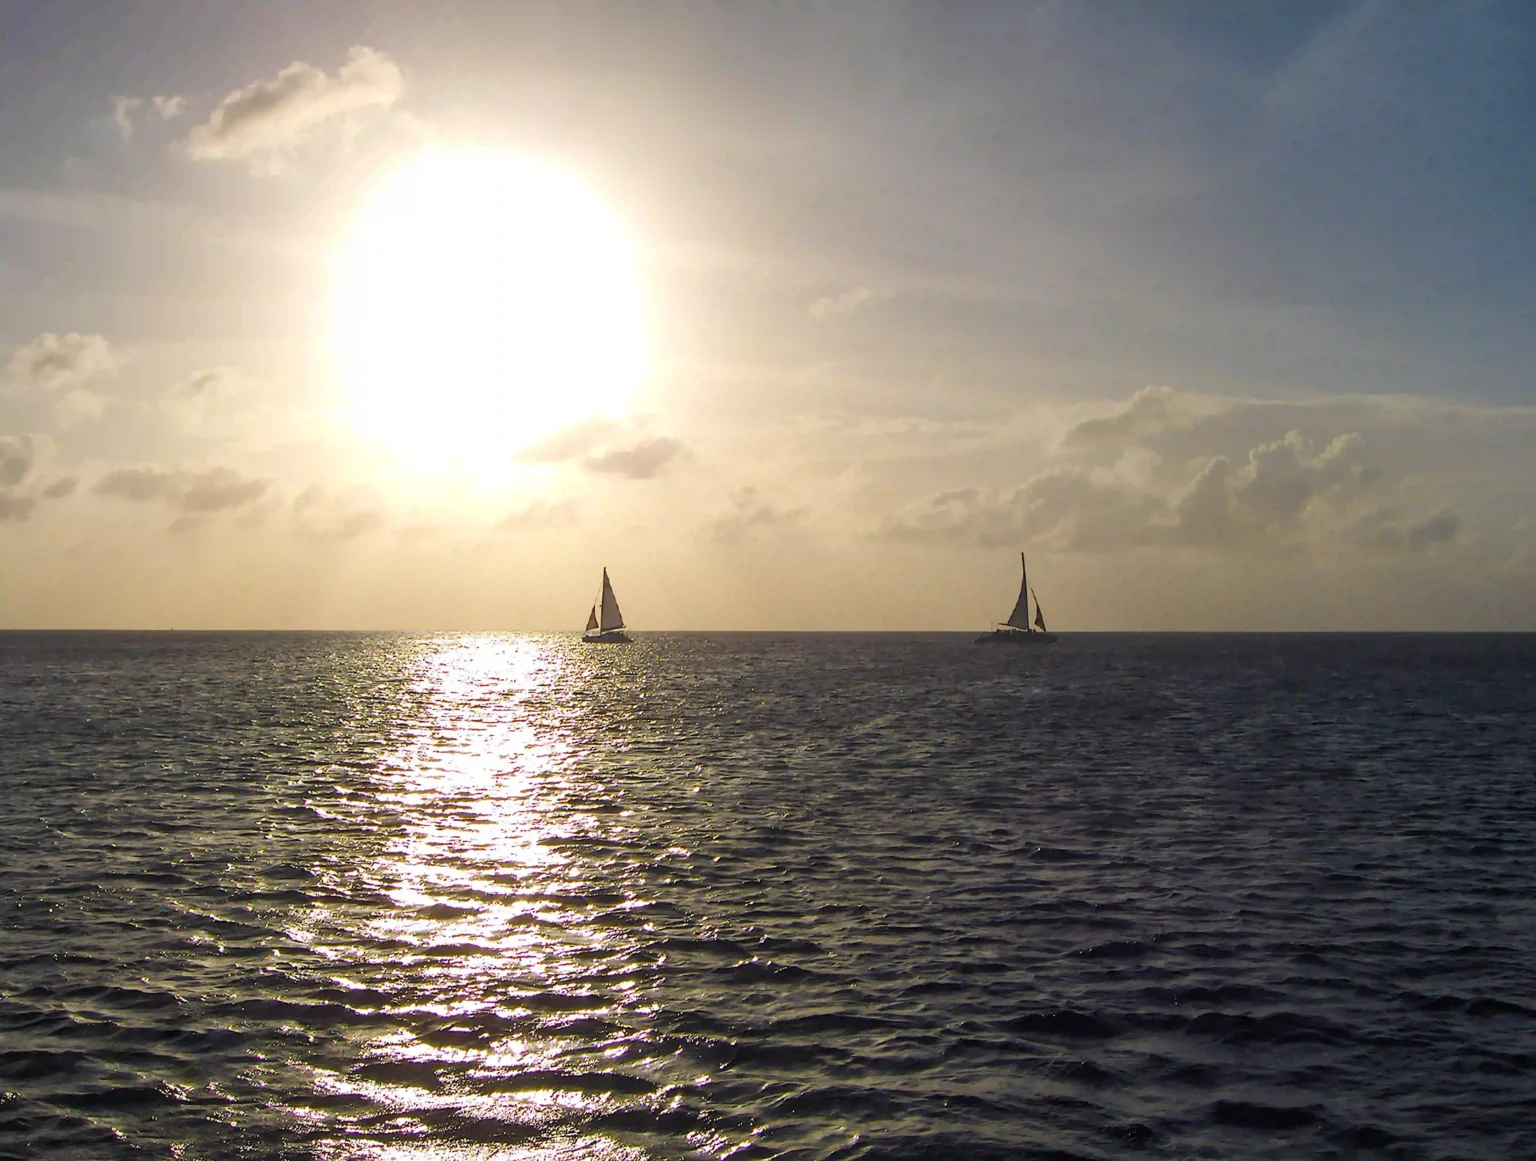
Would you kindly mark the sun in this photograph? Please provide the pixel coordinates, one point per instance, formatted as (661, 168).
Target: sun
(484, 300)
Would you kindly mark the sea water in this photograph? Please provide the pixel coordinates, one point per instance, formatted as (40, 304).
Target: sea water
(748, 896)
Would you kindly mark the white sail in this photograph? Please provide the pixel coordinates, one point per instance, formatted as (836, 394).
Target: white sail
(611, 617)
(1019, 618)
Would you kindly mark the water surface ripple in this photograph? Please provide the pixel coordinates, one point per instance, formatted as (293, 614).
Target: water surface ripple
(754, 896)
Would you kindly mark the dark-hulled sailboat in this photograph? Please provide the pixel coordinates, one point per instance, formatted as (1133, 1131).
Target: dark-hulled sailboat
(605, 624)
(1018, 629)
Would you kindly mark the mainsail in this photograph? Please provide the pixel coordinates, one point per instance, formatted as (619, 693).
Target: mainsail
(1019, 618)
(610, 617)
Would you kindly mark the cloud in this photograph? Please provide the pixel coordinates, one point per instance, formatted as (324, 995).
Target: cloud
(61, 489)
(1385, 529)
(639, 461)
(1147, 412)
(18, 456)
(265, 121)
(539, 514)
(191, 493)
(57, 362)
(320, 515)
(1065, 508)
(15, 507)
(1269, 494)
(569, 443)
(840, 305)
(749, 513)
(123, 109)
(206, 402)
(1284, 496)
(20, 459)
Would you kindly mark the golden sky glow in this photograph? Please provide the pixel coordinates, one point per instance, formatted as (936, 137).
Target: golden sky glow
(416, 316)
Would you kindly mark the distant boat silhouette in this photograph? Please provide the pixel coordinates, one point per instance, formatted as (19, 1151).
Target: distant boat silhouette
(1017, 629)
(605, 624)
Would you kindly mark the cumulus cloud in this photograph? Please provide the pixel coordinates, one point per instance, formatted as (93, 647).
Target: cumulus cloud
(1286, 494)
(191, 493)
(169, 107)
(266, 120)
(1148, 411)
(57, 362)
(638, 461)
(840, 305)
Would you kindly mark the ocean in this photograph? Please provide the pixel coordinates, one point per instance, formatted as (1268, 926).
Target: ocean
(474, 896)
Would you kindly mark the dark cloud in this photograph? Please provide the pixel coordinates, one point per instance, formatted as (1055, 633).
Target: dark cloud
(639, 461)
(15, 507)
(191, 493)
(269, 118)
(221, 488)
(61, 489)
(140, 484)
(18, 456)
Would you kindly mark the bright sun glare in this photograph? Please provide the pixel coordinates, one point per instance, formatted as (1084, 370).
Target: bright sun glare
(485, 300)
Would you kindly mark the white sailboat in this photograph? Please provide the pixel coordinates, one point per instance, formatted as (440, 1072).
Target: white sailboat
(605, 624)
(1018, 629)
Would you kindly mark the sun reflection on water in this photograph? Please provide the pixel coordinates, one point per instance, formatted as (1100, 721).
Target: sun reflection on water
(510, 999)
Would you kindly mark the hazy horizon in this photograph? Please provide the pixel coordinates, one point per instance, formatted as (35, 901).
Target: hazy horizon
(368, 316)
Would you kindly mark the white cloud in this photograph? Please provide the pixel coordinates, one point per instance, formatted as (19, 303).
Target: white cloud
(169, 108)
(265, 121)
(123, 109)
(840, 305)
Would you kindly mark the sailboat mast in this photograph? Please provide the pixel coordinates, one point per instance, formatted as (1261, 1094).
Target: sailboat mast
(1024, 584)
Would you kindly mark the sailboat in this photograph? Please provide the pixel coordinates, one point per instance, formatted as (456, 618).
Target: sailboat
(605, 624)
(1018, 628)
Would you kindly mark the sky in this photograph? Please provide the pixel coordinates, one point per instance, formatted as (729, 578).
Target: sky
(1223, 312)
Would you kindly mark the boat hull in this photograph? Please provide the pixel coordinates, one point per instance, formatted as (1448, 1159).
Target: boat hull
(612, 637)
(1015, 637)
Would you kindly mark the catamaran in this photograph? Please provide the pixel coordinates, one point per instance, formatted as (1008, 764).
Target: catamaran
(1017, 629)
(605, 624)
